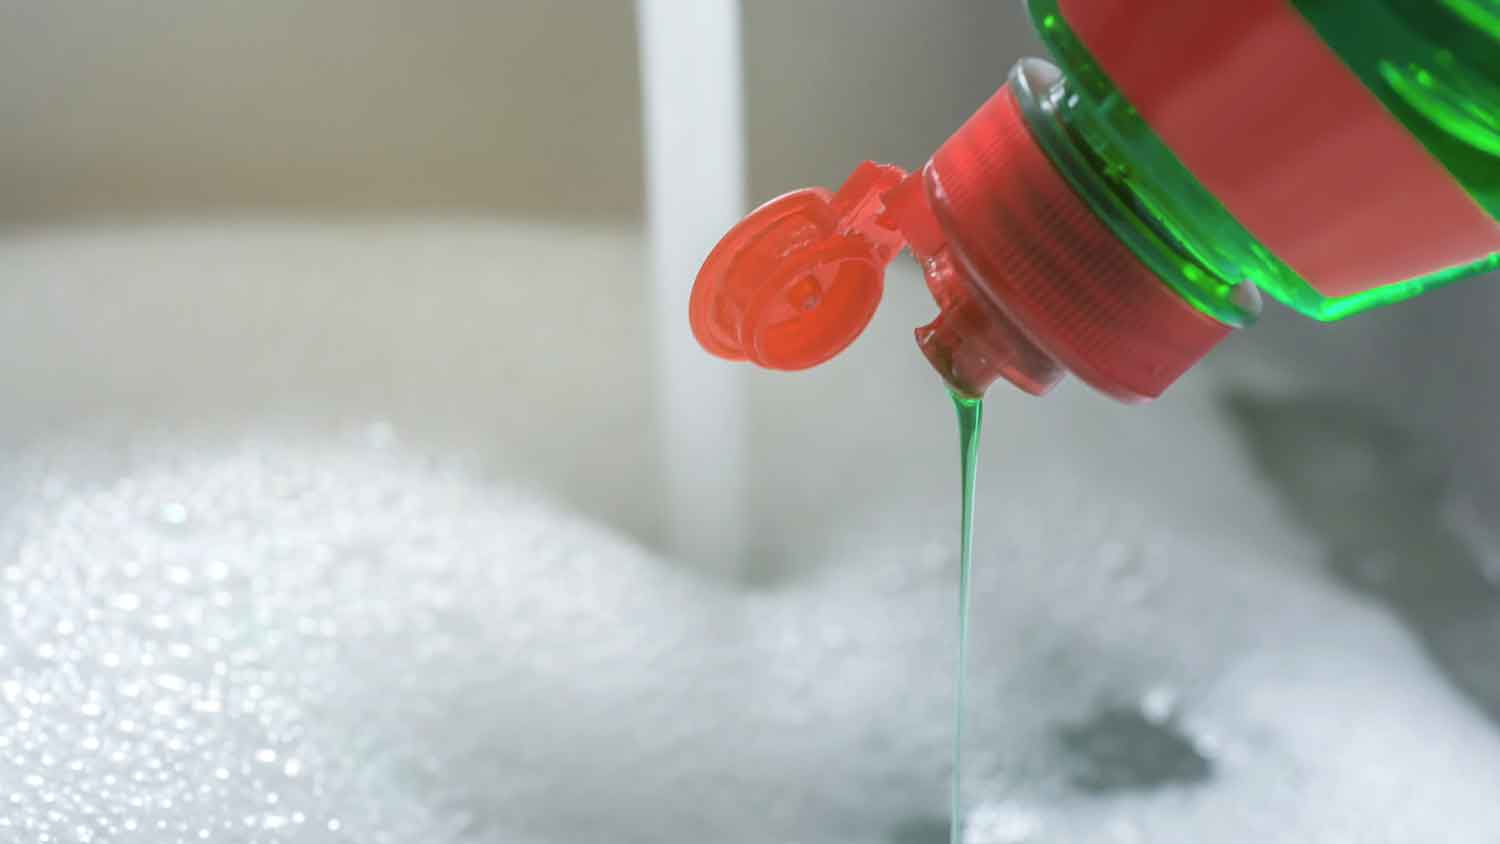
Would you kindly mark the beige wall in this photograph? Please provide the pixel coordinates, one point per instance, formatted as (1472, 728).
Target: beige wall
(181, 107)
(177, 106)
(832, 82)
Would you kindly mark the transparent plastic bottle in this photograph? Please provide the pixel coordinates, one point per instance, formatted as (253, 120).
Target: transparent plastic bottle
(1117, 213)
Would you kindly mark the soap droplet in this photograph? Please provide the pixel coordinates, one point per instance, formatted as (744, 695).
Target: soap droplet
(1158, 704)
(174, 513)
(127, 601)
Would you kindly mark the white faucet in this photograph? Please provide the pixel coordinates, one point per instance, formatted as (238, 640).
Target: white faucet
(695, 190)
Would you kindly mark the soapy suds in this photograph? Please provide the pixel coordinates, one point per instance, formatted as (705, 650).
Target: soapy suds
(287, 638)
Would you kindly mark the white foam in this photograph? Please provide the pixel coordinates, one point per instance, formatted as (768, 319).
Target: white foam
(277, 637)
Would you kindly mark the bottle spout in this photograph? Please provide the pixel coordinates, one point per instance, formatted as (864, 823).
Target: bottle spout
(971, 344)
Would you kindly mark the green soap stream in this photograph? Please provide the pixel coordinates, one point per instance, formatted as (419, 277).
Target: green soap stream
(970, 415)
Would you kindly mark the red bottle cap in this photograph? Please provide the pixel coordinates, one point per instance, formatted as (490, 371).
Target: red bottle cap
(1030, 284)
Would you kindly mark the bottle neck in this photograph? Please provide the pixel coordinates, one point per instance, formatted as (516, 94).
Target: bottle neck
(1007, 241)
(1088, 141)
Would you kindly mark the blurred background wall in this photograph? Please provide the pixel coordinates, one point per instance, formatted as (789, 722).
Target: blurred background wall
(173, 107)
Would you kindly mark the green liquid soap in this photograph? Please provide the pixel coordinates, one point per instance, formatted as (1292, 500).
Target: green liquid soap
(970, 415)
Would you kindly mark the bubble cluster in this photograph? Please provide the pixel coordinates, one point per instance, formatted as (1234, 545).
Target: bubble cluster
(270, 637)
